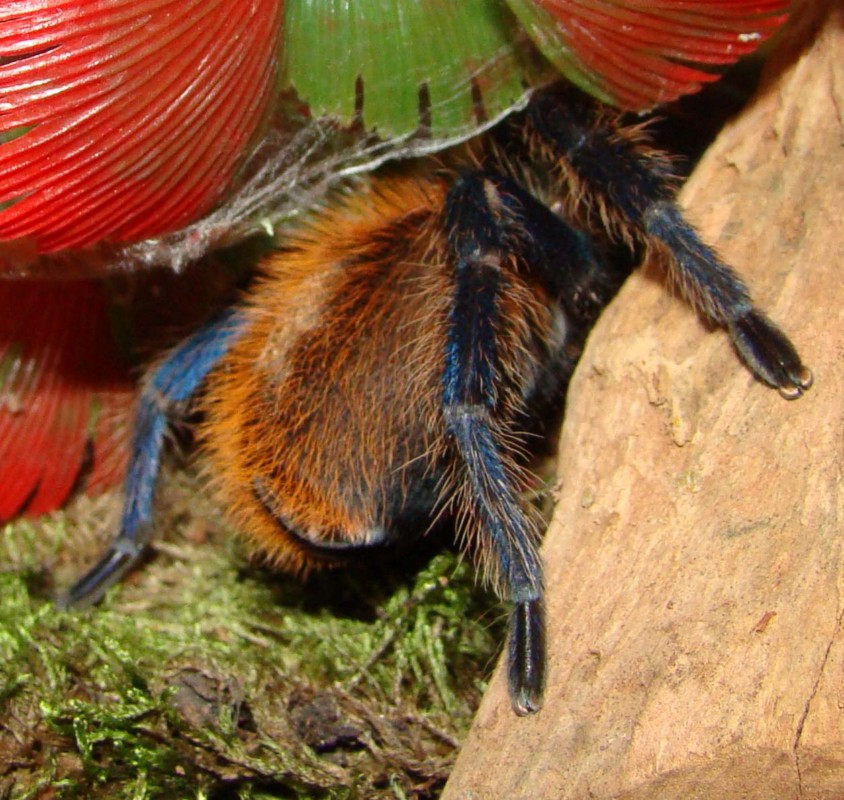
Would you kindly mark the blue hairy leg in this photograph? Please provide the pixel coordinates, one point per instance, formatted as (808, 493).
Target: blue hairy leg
(168, 389)
(631, 187)
(490, 220)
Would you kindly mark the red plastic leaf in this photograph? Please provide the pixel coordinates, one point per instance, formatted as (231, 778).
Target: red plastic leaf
(125, 119)
(64, 396)
(640, 53)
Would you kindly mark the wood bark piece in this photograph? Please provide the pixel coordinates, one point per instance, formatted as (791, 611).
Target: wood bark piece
(694, 565)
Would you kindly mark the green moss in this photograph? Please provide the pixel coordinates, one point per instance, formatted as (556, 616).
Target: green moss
(205, 676)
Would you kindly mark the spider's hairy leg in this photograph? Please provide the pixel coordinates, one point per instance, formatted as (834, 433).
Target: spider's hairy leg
(501, 236)
(470, 388)
(615, 172)
(722, 295)
(168, 388)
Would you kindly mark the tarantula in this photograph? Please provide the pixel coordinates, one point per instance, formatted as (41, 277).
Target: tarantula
(387, 365)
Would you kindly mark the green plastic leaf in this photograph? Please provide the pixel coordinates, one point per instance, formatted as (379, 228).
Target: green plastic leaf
(429, 67)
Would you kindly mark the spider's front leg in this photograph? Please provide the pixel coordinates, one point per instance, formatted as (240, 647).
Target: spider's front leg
(617, 174)
(168, 388)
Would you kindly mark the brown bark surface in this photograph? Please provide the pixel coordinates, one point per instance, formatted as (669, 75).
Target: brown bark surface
(694, 565)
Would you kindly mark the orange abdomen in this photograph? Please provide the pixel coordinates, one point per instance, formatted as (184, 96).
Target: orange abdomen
(326, 426)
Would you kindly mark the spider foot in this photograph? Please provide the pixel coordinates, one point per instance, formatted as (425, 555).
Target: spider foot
(770, 355)
(526, 675)
(112, 566)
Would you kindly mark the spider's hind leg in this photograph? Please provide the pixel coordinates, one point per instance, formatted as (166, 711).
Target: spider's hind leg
(629, 185)
(168, 388)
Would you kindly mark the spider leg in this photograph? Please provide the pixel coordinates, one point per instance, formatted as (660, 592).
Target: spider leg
(478, 244)
(564, 260)
(168, 388)
(631, 186)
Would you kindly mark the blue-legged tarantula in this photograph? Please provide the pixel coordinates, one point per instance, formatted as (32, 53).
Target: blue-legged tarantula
(386, 367)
